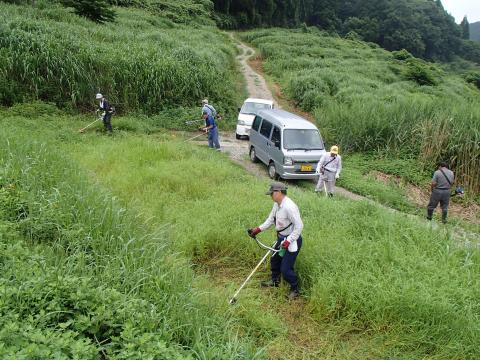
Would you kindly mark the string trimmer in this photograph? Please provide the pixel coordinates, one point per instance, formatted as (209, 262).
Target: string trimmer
(271, 250)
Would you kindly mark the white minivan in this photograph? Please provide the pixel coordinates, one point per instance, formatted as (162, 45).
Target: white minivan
(247, 113)
(289, 145)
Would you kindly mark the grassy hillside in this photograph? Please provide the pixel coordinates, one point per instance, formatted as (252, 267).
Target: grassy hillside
(370, 100)
(126, 255)
(143, 62)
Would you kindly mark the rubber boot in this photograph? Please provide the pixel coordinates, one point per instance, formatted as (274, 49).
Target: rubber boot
(293, 295)
(429, 214)
(444, 217)
(270, 283)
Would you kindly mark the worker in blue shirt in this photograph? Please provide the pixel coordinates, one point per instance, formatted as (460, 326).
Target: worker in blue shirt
(212, 129)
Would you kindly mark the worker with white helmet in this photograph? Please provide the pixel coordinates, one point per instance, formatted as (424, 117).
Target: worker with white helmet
(208, 108)
(107, 112)
(328, 170)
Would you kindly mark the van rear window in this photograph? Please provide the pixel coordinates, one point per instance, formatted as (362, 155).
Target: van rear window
(266, 129)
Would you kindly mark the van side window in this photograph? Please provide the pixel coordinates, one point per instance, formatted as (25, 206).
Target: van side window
(266, 128)
(256, 123)
(276, 135)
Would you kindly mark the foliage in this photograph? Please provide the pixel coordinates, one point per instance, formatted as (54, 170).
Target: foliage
(473, 78)
(420, 73)
(465, 26)
(370, 100)
(95, 10)
(143, 62)
(423, 27)
(81, 275)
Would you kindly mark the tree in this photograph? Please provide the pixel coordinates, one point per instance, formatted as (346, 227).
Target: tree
(465, 28)
(95, 10)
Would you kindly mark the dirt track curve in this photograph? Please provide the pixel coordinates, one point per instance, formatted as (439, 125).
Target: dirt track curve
(237, 150)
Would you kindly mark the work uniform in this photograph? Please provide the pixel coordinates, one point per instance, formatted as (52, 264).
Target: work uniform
(212, 133)
(328, 169)
(441, 192)
(107, 114)
(289, 225)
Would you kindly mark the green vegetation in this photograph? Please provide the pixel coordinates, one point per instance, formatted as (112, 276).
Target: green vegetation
(423, 27)
(367, 99)
(111, 228)
(143, 62)
(83, 276)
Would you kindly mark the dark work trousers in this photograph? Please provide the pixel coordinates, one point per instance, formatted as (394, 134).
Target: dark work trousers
(442, 197)
(284, 265)
(213, 138)
(107, 121)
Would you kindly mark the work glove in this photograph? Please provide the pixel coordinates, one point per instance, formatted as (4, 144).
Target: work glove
(337, 176)
(285, 244)
(253, 232)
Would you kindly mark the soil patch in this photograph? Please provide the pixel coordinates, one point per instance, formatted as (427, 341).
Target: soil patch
(420, 197)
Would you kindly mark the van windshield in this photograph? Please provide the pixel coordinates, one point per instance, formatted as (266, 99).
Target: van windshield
(253, 108)
(302, 139)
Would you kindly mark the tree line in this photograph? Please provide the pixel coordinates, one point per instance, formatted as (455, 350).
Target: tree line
(422, 27)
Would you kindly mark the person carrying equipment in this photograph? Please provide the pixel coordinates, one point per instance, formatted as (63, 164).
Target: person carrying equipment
(107, 112)
(285, 216)
(328, 170)
(441, 182)
(208, 108)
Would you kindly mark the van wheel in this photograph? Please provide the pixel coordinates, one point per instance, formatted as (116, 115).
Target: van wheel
(272, 172)
(253, 156)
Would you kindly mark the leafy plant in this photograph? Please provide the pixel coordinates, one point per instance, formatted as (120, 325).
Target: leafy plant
(96, 10)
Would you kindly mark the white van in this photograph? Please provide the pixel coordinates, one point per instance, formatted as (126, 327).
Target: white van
(247, 113)
(289, 145)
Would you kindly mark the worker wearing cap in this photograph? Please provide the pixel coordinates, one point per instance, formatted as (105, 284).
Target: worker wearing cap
(328, 170)
(208, 108)
(442, 180)
(285, 216)
(212, 129)
(107, 112)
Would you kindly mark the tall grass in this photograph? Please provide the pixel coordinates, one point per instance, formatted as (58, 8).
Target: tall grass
(82, 276)
(163, 207)
(142, 62)
(367, 99)
(362, 269)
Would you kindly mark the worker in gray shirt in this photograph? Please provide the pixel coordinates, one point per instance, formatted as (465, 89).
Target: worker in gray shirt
(441, 183)
(285, 217)
(328, 170)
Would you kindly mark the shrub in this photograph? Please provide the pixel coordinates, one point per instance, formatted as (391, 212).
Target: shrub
(473, 78)
(95, 10)
(420, 73)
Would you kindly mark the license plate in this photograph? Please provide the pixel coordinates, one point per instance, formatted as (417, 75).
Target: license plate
(306, 168)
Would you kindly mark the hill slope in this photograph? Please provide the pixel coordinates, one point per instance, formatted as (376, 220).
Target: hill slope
(475, 31)
(143, 61)
(367, 99)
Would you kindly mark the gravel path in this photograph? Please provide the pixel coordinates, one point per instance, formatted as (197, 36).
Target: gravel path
(237, 150)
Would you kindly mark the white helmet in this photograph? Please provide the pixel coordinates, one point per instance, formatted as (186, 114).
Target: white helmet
(99, 96)
(205, 101)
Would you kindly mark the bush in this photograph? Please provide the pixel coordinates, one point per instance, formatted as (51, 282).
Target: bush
(95, 10)
(473, 78)
(420, 73)
(402, 55)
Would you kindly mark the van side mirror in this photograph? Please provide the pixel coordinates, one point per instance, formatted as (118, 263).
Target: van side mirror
(277, 144)
(238, 109)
